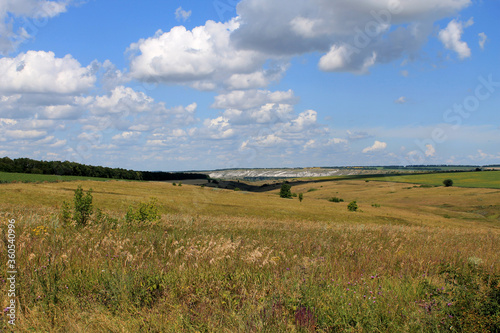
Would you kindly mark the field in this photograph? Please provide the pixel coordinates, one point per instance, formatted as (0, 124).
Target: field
(411, 259)
(488, 179)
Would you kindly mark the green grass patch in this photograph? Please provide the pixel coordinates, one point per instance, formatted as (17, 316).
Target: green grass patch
(10, 177)
(486, 179)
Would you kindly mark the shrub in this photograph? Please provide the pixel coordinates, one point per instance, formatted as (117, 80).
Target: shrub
(174, 184)
(65, 214)
(285, 191)
(301, 197)
(353, 206)
(83, 206)
(145, 212)
(448, 182)
(335, 199)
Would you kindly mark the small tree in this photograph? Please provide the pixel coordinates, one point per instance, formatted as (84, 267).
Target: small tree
(448, 182)
(285, 191)
(83, 206)
(353, 206)
(301, 197)
(146, 212)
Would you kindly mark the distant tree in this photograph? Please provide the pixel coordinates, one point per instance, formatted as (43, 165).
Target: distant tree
(448, 182)
(301, 197)
(286, 191)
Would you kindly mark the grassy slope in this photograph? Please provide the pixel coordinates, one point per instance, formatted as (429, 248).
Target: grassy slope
(487, 179)
(226, 261)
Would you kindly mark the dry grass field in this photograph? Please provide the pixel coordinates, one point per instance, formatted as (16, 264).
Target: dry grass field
(411, 259)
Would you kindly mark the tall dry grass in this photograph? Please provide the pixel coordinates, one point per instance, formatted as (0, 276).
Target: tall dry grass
(216, 273)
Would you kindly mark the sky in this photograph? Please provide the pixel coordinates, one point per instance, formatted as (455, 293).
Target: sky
(200, 85)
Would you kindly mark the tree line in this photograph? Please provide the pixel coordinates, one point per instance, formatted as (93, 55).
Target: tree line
(66, 168)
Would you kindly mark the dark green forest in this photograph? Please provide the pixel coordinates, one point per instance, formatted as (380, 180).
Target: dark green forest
(66, 168)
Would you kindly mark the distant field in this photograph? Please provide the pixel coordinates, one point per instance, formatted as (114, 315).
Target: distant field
(486, 179)
(8, 177)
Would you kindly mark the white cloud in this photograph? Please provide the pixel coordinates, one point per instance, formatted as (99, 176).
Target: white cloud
(25, 134)
(482, 40)
(430, 150)
(355, 35)
(451, 37)
(247, 99)
(377, 146)
(25, 15)
(122, 100)
(202, 57)
(401, 100)
(42, 72)
(303, 121)
(181, 14)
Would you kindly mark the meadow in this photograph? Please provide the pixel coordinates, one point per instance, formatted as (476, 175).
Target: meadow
(488, 179)
(412, 259)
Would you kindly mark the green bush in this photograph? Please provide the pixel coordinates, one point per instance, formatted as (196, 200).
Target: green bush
(83, 207)
(145, 212)
(65, 214)
(301, 197)
(353, 206)
(335, 199)
(448, 182)
(285, 191)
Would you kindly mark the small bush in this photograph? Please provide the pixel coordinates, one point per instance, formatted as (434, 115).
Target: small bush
(376, 205)
(353, 206)
(301, 197)
(65, 214)
(146, 212)
(448, 182)
(174, 184)
(336, 199)
(83, 207)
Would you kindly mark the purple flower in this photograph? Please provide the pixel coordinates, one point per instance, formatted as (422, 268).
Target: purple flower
(449, 304)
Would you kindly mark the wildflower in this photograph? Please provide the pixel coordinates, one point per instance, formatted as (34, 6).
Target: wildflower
(449, 304)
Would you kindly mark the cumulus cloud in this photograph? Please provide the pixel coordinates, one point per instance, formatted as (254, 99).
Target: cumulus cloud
(21, 19)
(122, 100)
(377, 146)
(354, 35)
(42, 72)
(246, 99)
(197, 57)
(451, 37)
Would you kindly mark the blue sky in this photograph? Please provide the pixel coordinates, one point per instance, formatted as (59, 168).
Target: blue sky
(197, 85)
